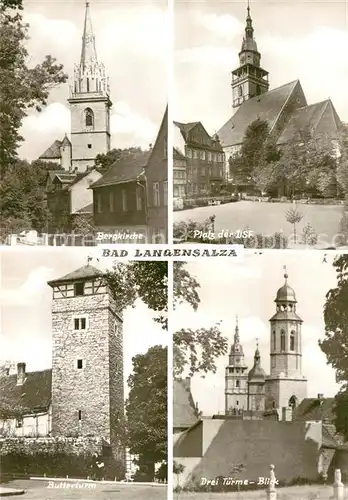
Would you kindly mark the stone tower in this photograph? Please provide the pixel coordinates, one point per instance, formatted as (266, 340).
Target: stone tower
(249, 80)
(87, 358)
(256, 385)
(286, 386)
(89, 104)
(236, 378)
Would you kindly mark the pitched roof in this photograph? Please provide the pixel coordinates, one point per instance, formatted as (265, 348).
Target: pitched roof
(82, 273)
(266, 107)
(320, 117)
(315, 409)
(328, 441)
(33, 395)
(53, 152)
(184, 410)
(125, 170)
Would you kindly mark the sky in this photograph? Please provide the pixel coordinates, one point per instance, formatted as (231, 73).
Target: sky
(248, 289)
(26, 299)
(131, 40)
(305, 40)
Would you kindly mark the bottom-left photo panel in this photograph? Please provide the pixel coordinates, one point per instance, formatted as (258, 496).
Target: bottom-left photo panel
(83, 375)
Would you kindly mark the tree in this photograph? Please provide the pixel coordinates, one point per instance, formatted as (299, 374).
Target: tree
(335, 343)
(293, 216)
(146, 409)
(145, 280)
(21, 87)
(194, 350)
(104, 161)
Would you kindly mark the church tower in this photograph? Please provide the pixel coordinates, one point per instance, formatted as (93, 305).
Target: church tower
(249, 80)
(87, 358)
(89, 104)
(256, 385)
(286, 386)
(236, 378)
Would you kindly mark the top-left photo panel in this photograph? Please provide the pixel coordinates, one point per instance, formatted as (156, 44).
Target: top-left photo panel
(83, 122)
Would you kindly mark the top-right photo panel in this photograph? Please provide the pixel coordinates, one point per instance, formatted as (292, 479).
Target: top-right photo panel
(260, 153)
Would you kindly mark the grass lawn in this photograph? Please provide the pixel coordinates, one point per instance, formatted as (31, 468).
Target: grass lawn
(268, 218)
(39, 490)
(290, 493)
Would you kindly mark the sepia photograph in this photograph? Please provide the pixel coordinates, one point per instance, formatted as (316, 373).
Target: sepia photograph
(260, 377)
(261, 123)
(83, 122)
(83, 376)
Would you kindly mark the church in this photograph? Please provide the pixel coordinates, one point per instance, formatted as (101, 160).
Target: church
(284, 108)
(252, 392)
(131, 196)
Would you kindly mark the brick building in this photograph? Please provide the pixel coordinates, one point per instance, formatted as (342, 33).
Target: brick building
(205, 159)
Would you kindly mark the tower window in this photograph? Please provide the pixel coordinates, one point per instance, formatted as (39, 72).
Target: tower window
(89, 118)
(87, 84)
(282, 340)
(79, 289)
(80, 323)
(274, 339)
(258, 90)
(79, 364)
(237, 403)
(240, 91)
(292, 341)
(80, 415)
(237, 383)
(89, 146)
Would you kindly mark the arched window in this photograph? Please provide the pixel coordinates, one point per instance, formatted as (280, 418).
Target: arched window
(240, 91)
(87, 84)
(282, 340)
(237, 383)
(89, 118)
(292, 340)
(293, 402)
(274, 340)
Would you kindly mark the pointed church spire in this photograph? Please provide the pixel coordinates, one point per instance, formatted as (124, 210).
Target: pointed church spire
(236, 335)
(88, 52)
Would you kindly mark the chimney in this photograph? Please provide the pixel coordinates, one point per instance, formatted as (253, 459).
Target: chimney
(20, 373)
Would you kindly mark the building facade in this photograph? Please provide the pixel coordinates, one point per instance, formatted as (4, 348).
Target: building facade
(179, 174)
(285, 387)
(205, 159)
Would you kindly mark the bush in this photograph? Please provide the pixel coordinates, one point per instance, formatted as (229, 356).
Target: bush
(309, 236)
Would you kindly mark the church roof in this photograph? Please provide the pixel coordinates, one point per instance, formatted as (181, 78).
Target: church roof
(82, 273)
(127, 169)
(184, 410)
(257, 373)
(53, 152)
(266, 107)
(88, 52)
(32, 396)
(318, 118)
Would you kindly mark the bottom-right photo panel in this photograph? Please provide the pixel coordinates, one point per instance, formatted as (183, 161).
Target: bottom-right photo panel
(260, 398)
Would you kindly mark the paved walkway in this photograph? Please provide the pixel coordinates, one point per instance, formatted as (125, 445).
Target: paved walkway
(9, 492)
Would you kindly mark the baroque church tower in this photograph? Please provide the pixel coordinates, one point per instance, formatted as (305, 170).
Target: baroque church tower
(87, 358)
(256, 385)
(249, 80)
(286, 387)
(89, 104)
(236, 378)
